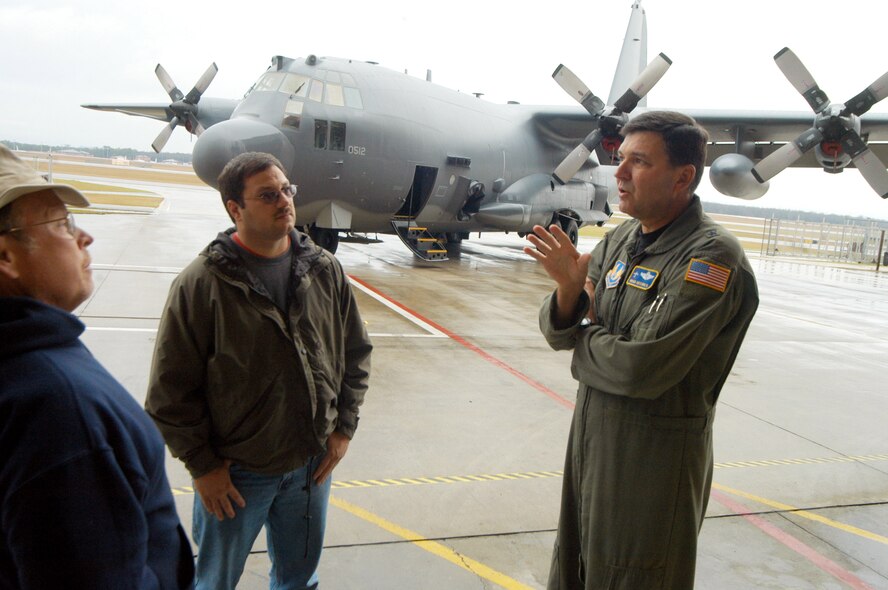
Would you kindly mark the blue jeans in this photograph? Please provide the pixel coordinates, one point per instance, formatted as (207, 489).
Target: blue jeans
(293, 509)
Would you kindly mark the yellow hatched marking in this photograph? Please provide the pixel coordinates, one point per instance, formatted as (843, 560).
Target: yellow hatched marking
(433, 547)
(804, 514)
(815, 461)
(451, 479)
(395, 482)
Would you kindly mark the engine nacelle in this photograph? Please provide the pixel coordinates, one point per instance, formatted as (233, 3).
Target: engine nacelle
(731, 174)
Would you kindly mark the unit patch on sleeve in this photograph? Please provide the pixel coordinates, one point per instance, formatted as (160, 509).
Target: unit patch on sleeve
(614, 275)
(708, 274)
(642, 278)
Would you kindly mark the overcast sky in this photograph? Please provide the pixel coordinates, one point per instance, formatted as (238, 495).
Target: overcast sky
(58, 54)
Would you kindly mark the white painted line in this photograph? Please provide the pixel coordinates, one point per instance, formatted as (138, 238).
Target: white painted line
(97, 329)
(163, 269)
(402, 312)
(154, 330)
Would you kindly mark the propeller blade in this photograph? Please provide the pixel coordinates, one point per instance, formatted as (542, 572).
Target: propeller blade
(870, 166)
(164, 135)
(873, 170)
(579, 91)
(643, 83)
(168, 84)
(197, 127)
(866, 99)
(799, 76)
(575, 160)
(768, 168)
(202, 84)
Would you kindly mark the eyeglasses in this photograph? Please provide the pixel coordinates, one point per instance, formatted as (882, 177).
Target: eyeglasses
(70, 227)
(271, 197)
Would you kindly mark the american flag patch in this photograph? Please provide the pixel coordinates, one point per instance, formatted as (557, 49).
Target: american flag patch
(708, 274)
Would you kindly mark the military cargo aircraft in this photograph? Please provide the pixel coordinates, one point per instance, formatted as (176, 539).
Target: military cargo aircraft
(378, 151)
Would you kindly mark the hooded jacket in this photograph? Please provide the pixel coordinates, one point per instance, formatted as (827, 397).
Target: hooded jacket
(84, 499)
(233, 377)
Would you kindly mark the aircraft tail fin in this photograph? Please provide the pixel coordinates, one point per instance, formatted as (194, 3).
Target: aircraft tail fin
(633, 56)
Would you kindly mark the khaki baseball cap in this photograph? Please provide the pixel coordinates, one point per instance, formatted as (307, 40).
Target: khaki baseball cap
(17, 179)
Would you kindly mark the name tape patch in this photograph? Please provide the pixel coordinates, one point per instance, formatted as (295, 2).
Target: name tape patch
(708, 274)
(642, 278)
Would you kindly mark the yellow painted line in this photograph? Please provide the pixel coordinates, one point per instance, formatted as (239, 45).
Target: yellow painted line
(815, 461)
(433, 547)
(804, 514)
(448, 479)
(483, 478)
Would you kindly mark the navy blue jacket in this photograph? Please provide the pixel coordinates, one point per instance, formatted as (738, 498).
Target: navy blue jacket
(84, 499)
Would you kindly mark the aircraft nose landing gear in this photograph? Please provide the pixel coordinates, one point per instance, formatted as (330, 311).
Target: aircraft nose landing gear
(326, 238)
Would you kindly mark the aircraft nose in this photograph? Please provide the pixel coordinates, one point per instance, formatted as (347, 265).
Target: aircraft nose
(223, 141)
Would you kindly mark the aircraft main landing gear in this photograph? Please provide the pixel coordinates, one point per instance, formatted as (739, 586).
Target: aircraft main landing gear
(326, 238)
(569, 225)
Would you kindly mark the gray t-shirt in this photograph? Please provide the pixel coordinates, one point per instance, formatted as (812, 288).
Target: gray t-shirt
(273, 273)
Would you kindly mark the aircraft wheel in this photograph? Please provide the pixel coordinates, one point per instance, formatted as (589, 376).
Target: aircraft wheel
(326, 238)
(571, 229)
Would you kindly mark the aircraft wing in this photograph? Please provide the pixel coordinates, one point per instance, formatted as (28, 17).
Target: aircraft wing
(768, 130)
(209, 112)
(157, 111)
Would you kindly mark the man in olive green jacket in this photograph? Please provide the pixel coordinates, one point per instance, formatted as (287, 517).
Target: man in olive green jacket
(655, 316)
(260, 365)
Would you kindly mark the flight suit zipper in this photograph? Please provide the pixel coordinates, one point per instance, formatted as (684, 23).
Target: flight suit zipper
(621, 292)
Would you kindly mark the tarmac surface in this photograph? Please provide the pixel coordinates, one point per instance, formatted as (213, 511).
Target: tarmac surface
(453, 479)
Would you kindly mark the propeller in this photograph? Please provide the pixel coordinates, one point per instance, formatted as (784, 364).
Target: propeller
(184, 107)
(608, 120)
(836, 127)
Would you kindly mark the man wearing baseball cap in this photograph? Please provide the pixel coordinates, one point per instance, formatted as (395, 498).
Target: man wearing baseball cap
(84, 499)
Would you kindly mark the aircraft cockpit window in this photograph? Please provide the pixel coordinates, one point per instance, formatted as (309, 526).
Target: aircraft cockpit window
(293, 113)
(337, 136)
(334, 94)
(295, 84)
(353, 98)
(333, 77)
(321, 134)
(329, 135)
(347, 79)
(269, 82)
(317, 91)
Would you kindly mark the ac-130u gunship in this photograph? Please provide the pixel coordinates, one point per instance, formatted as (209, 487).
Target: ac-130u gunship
(378, 151)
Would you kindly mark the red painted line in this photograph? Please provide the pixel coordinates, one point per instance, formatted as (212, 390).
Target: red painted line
(821, 561)
(482, 353)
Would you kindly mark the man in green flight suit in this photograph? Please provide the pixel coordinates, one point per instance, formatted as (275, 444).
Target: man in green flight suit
(655, 316)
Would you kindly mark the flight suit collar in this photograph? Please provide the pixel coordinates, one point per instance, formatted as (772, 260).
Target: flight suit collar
(678, 230)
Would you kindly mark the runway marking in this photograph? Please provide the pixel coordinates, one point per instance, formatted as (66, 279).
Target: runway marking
(820, 460)
(796, 545)
(154, 330)
(489, 477)
(433, 547)
(418, 481)
(403, 309)
(101, 329)
(804, 514)
(397, 308)
(133, 268)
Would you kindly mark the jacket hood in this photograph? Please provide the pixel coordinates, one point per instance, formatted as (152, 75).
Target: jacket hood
(27, 324)
(223, 252)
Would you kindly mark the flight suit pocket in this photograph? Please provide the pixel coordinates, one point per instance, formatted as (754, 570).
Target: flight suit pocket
(629, 578)
(653, 320)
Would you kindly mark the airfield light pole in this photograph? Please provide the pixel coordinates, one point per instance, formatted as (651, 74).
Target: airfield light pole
(879, 255)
